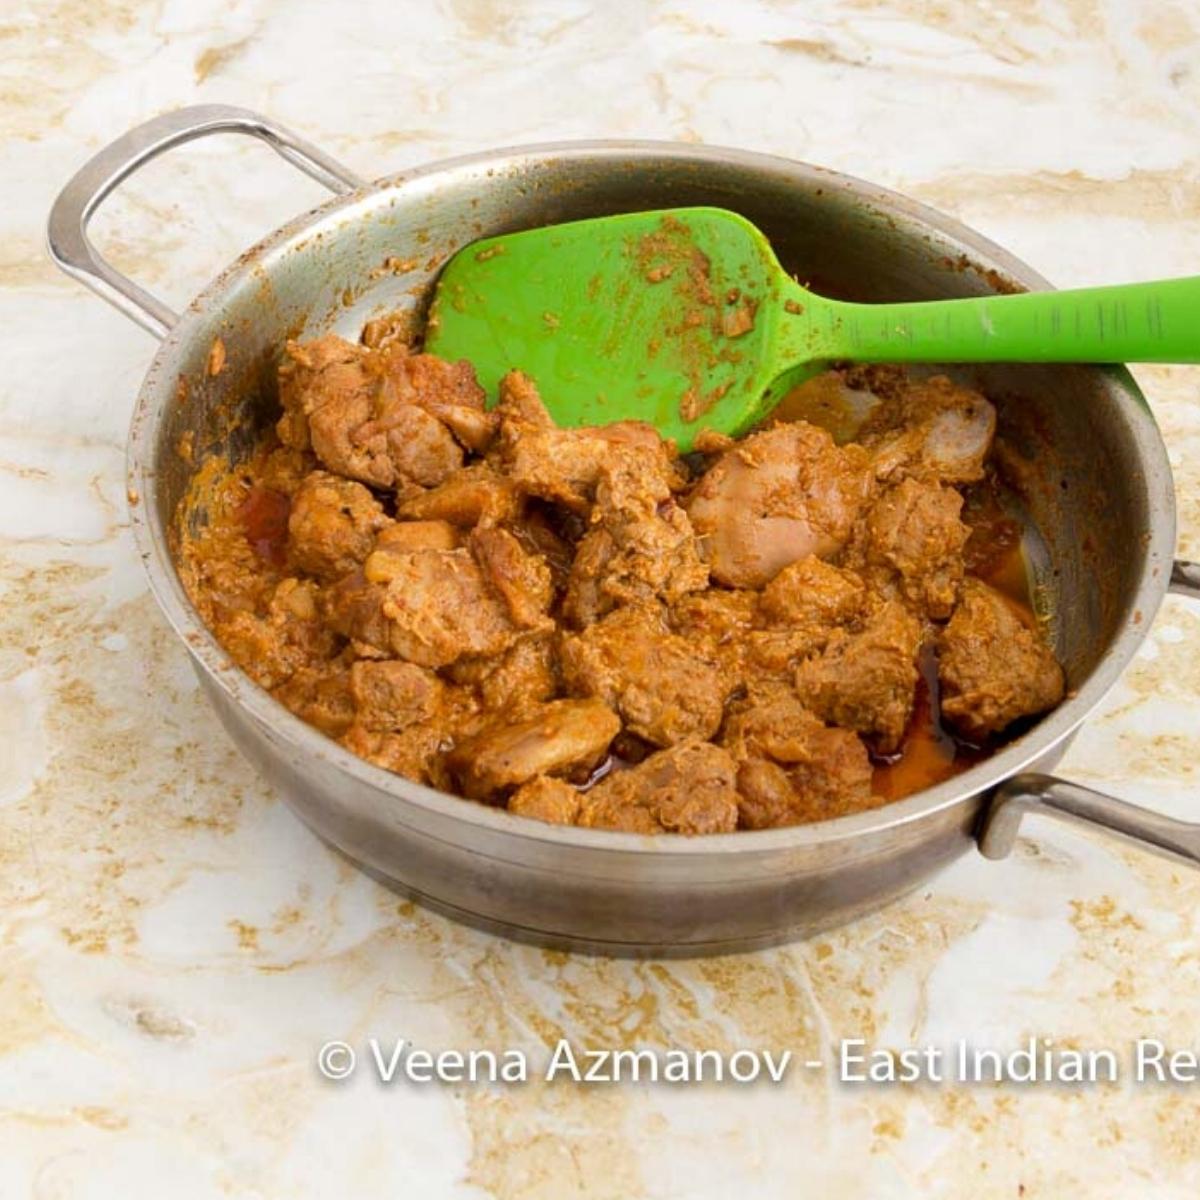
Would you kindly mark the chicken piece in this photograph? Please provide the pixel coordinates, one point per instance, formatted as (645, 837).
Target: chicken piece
(416, 749)
(476, 495)
(474, 428)
(519, 578)
(430, 607)
(641, 547)
(525, 677)
(866, 679)
(353, 607)
(418, 535)
(725, 626)
(835, 784)
(448, 391)
(559, 737)
(665, 690)
(911, 544)
(584, 598)
(321, 696)
(271, 648)
(410, 449)
(343, 401)
(541, 532)
(519, 407)
(810, 592)
(792, 767)
(993, 666)
(332, 525)
(933, 430)
(766, 797)
(545, 798)
(802, 608)
(769, 722)
(563, 465)
(690, 788)
(328, 370)
(413, 752)
(717, 622)
(654, 550)
(390, 695)
(774, 654)
(776, 497)
(716, 615)
(440, 607)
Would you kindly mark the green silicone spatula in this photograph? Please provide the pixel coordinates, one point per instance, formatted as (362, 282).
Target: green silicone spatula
(684, 318)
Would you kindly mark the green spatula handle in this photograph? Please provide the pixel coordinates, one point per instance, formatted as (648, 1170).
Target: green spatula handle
(1137, 322)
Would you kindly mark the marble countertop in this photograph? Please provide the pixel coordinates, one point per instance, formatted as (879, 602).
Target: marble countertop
(175, 945)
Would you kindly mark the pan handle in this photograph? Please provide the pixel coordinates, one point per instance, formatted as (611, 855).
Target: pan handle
(1185, 579)
(1073, 802)
(66, 231)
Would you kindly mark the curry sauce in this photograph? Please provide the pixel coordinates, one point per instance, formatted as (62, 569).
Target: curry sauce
(584, 627)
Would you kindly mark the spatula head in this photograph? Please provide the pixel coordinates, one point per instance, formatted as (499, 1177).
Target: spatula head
(667, 317)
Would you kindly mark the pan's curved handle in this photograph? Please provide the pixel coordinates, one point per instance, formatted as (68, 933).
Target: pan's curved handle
(1074, 802)
(1185, 579)
(66, 231)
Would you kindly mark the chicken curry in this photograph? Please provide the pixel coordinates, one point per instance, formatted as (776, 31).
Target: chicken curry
(587, 628)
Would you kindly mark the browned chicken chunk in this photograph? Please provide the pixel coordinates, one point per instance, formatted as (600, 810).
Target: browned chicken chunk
(792, 767)
(431, 607)
(519, 578)
(933, 430)
(370, 415)
(403, 448)
(321, 697)
(327, 370)
(866, 680)
(518, 682)
(641, 547)
(332, 525)
(992, 666)
(546, 799)
(519, 407)
(689, 788)
(448, 391)
(390, 695)
(810, 593)
(273, 647)
(559, 737)
(665, 691)
(912, 543)
(473, 496)
(564, 465)
(418, 535)
(412, 752)
(717, 623)
(776, 497)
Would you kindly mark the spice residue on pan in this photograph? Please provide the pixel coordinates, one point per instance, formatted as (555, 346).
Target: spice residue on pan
(216, 358)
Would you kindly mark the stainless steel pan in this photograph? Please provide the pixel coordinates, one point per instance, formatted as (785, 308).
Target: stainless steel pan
(1094, 473)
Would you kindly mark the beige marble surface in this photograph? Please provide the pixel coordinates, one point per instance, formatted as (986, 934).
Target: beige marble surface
(174, 946)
